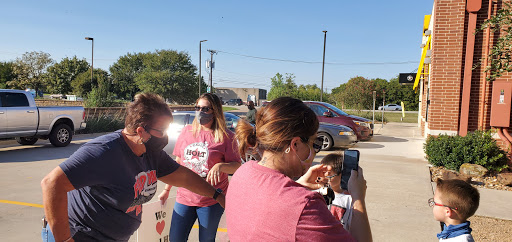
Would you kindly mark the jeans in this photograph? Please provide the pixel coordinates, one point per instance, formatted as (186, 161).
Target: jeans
(183, 218)
(46, 234)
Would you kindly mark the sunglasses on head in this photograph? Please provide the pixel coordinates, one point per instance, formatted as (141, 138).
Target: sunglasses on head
(204, 109)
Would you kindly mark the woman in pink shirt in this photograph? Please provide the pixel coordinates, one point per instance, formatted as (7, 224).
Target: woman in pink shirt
(207, 148)
(264, 202)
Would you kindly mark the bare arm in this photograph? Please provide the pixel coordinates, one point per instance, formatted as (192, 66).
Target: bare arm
(55, 186)
(183, 177)
(360, 226)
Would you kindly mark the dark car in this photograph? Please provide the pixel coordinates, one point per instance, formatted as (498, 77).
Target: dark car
(236, 101)
(329, 113)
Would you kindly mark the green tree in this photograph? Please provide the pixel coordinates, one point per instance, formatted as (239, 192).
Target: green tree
(82, 84)
(123, 73)
(30, 70)
(282, 86)
(357, 93)
(309, 93)
(170, 74)
(60, 75)
(500, 55)
(6, 73)
(277, 88)
(397, 93)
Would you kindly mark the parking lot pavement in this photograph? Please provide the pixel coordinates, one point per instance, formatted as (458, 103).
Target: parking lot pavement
(393, 163)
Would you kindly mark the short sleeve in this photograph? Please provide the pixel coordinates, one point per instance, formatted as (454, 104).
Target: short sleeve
(166, 165)
(316, 221)
(88, 165)
(231, 154)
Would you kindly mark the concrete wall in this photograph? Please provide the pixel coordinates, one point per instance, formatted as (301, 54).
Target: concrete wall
(226, 93)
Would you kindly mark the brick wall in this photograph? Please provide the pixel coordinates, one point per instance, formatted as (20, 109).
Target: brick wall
(447, 65)
(446, 78)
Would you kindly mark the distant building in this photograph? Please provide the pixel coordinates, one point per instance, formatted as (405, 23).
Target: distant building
(255, 94)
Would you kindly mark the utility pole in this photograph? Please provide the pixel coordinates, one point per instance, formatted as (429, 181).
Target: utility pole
(323, 64)
(199, 81)
(373, 111)
(383, 101)
(211, 68)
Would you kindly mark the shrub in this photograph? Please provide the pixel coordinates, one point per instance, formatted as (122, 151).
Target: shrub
(103, 122)
(99, 98)
(475, 148)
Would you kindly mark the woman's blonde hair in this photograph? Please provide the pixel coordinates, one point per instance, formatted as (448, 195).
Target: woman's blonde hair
(219, 122)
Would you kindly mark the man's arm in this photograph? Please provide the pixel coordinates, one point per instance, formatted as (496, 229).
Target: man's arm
(183, 177)
(55, 186)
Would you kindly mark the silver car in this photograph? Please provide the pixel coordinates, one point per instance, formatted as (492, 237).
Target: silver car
(336, 136)
(391, 107)
(333, 135)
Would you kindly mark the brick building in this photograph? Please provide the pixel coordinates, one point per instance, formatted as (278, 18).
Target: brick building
(455, 98)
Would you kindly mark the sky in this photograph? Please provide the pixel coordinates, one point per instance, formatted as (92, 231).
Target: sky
(373, 38)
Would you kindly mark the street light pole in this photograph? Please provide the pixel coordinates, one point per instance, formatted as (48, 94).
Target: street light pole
(92, 55)
(199, 81)
(323, 64)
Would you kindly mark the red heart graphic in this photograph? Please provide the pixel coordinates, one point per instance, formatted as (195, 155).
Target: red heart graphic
(160, 227)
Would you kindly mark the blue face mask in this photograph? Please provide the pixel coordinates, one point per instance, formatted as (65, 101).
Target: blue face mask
(203, 117)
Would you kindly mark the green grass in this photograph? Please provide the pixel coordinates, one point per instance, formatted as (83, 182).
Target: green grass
(388, 116)
(226, 109)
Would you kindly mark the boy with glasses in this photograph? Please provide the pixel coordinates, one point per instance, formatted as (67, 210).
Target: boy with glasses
(453, 203)
(341, 206)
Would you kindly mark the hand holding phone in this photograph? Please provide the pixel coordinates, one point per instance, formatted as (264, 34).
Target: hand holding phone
(350, 162)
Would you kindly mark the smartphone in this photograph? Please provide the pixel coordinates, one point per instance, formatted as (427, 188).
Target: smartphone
(350, 162)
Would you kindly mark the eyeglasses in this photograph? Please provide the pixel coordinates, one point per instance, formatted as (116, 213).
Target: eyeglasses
(161, 133)
(432, 203)
(204, 109)
(318, 144)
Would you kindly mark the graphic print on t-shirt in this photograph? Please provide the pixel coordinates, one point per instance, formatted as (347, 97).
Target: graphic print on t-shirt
(196, 158)
(144, 189)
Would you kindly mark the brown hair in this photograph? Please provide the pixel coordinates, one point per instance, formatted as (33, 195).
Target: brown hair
(459, 194)
(335, 160)
(276, 125)
(219, 121)
(144, 110)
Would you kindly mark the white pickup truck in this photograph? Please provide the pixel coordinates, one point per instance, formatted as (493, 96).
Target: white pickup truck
(21, 119)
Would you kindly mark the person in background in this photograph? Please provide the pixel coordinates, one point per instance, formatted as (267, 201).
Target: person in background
(453, 203)
(251, 114)
(98, 192)
(207, 148)
(264, 203)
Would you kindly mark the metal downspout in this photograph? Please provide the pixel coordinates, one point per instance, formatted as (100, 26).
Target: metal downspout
(481, 125)
(472, 6)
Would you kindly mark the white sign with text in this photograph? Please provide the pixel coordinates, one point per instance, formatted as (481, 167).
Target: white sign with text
(156, 222)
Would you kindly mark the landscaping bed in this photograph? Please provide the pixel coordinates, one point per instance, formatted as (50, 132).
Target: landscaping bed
(489, 181)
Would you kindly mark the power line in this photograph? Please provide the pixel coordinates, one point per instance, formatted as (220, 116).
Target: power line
(319, 62)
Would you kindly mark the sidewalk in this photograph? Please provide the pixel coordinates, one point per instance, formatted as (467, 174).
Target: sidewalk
(399, 186)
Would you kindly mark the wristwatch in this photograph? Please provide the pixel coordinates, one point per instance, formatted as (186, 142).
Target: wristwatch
(216, 194)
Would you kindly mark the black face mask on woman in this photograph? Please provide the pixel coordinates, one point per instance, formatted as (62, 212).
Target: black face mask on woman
(156, 144)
